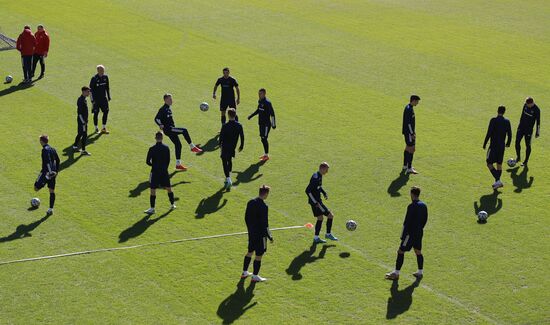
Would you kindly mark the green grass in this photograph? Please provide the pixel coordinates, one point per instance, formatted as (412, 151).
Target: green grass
(338, 74)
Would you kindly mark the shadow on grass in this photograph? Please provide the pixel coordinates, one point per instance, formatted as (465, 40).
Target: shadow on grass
(23, 231)
(211, 204)
(249, 174)
(136, 191)
(15, 88)
(489, 203)
(400, 300)
(138, 228)
(304, 258)
(521, 181)
(397, 184)
(210, 146)
(74, 156)
(237, 303)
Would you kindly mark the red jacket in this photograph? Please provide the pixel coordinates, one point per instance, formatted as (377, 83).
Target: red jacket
(42, 42)
(26, 42)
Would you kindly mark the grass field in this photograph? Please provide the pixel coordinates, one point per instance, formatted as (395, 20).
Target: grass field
(339, 74)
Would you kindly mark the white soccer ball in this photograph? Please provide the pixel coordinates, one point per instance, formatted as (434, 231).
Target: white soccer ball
(351, 225)
(482, 216)
(9, 79)
(204, 106)
(35, 202)
(511, 162)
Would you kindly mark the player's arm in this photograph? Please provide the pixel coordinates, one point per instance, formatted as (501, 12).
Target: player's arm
(425, 219)
(92, 89)
(149, 159)
(265, 224)
(508, 134)
(222, 135)
(81, 109)
(537, 117)
(489, 132)
(313, 183)
(272, 112)
(107, 89)
(46, 45)
(215, 88)
(241, 135)
(57, 160)
(238, 93)
(322, 190)
(254, 114)
(407, 222)
(159, 118)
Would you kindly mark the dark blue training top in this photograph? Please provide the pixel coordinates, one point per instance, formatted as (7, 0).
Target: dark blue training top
(499, 129)
(158, 157)
(266, 113)
(315, 188)
(528, 118)
(50, 159)
(256, 218)
(415, 219)
(82, 110)
(409, 120)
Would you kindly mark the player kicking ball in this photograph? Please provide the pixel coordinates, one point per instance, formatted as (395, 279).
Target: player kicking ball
(314, 191)
(257, 223)
(48, 173)
(411, 237)
(266, 120)
(158, 157)
(499, 129)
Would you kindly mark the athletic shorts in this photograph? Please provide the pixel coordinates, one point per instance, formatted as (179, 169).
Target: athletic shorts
(227, 153)
(257, 245)
(41, 181)
(264, 130)
(409, 242)
(409, 140)
(528, 134)
(227, 103)
(159, 180)
(323, 211)
(495, 155)
(102, 105)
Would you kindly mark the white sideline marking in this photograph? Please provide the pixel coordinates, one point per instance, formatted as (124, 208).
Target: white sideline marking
(175, 241)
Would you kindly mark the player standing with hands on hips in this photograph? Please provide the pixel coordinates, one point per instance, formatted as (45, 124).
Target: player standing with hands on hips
(529, 116)
(266, 120)
(49, 171)
(314, 191)
(227, 83)
(101, 95)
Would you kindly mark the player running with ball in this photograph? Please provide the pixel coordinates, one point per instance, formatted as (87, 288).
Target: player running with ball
(314, 191)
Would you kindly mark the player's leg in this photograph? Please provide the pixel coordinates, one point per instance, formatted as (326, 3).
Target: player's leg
(77, 138)
(330, 217)
(260, 249)
(42, 66)
(187, 138)
(318, 225)
(527, 148)
(51, 187)
(247, 258)
(84, 138)
(35, 60)
(153, 185)
(264, 133)
(95, 111)
(400, 259)
(40, 182)
(177, 145)
(420, 262)
(105, 114)
(222, 111)
(165, 182)
(519, 137)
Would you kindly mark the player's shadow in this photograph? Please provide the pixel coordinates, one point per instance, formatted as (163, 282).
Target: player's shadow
(304, 258)
(397, 184)
(211, 204)
(211, 145)
(237, 303)
(138, 228)
(23, 231)
(74, 156)
(15, 88)
(250, 174)
(400, 300)
(521, 181)
(136, 191)
(489, 203)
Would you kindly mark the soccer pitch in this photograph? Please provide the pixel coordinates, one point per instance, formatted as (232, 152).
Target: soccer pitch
(338, 74)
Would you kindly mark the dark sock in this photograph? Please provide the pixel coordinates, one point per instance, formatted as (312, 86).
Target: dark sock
(52, 200)
(518, 152)
(499, 174)
(266, 145)
(171, 197)
(329, 225)
(257, 264)
(223, 119)
(420, 261)
(318, 225)
(246, 263)
(406, 158)
(494, 173)
(399, 261)
(152, 199)
(411, 156)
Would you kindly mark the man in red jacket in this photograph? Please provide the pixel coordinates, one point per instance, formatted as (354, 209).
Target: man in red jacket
(25, 44)
(41, 50)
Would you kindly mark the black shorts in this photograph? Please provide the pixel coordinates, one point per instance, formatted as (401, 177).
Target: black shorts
(257, 245)
(102, 105)
(41, 181)
(495, 155)
(227, 103)
(264, 130)
(159, 180)
(528, 134)
(409, 140)
(227, 153)
(323, 211)
(410, 242)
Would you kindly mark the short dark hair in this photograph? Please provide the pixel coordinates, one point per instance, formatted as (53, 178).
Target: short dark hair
(231, 112)
(529, 100)
(324, 164)
(27, 27)
(225, 69)
(501, 109)
(264, 189)
(166, 95)
(84, 88)
(415, 97)
(158, 135)
(415, 190)
(44, 138)
(262, 90)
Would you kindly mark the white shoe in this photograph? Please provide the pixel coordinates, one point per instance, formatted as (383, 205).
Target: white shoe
(173, 207)
(498, 184)
(405, 167)
(245, 274)
(149, 211)
(257, 278)
(49, 212)
(411, 171)
(96, 129)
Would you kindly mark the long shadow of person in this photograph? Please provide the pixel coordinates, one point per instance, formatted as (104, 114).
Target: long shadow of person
(237, 303)
(400, 300)
(520, 180)
(489, 203)
(15, 88)
(304, 258)
(23, 231)
(210, 204)
(397, 184)
(138, 228)
(249, 174)
(136, 191)
(211, 145)
(74, 156)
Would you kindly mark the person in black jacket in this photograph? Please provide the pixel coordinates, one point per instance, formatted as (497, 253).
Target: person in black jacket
(158, 157)
(229, 136)
(409, 132)
(257, 223)
(530, 114)
(48, 172)
(82, 121)
(499, 129)
(101, 96)
(266, 120)
(411, 236)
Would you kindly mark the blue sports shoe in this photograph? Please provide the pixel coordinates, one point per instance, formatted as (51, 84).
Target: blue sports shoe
(319, 241)
(331, 237)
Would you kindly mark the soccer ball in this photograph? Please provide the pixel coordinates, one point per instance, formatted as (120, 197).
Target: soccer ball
(511, 162)
(204, 106)
(35, 202)
(9, 79)
(482, 216)
(351, 225)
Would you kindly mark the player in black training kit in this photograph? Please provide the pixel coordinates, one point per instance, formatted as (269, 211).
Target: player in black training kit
(228, 94)
(229, 135)
(165, 121)
(82, 121)
(49, 171)
(314, 191)
(499, 129)
(101, 95)
(529, 116)
(257, 223)
(409, 132)
(266, 120)
(411, 236)
(158, 157)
